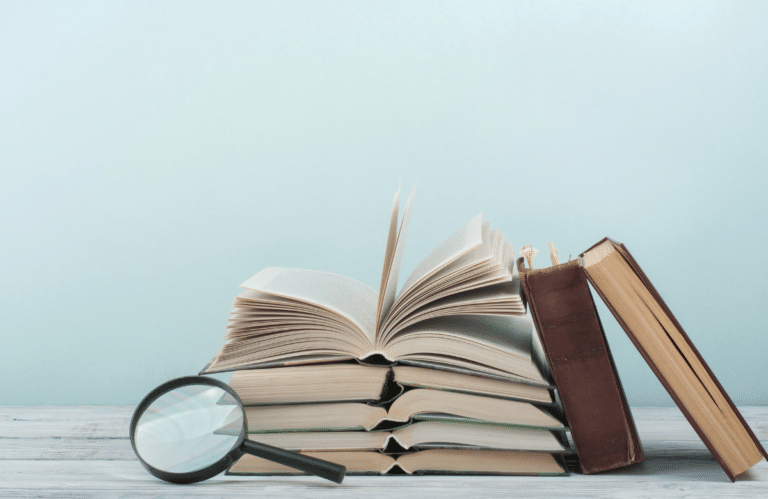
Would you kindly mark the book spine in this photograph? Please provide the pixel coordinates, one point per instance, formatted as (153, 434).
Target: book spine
(574, 343)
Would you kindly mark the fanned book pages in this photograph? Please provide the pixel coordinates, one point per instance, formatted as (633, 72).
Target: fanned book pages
(460, 308)
(581, 364)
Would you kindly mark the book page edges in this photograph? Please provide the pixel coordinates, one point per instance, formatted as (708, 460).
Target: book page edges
(597, 253)
(353, 460)
(586, 262)
(624, 252)
(343, 296)
(294, 361)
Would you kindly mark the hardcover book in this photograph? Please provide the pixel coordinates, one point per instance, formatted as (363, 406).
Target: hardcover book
(417, 404)
(582, 367)
(670, 353)
(424, 462)
(351, 381)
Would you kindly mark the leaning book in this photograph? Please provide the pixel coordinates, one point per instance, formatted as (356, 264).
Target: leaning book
(666, 347)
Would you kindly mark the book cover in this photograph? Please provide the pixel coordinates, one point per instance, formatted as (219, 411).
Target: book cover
(582, 367)
(670, 353)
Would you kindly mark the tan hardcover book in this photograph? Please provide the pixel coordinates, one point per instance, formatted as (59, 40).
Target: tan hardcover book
(668, 350)
(475, 383)
(418, 404)
(442, 461)
(311, 383)
(350, 381)
(421, 435)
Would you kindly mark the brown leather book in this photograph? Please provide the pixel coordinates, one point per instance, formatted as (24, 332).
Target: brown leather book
(574, 343)
(668, 350)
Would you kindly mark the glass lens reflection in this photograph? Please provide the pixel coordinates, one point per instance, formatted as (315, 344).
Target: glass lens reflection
(189, 428)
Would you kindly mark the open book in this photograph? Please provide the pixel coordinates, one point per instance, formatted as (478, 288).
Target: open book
(421, 435)
(350, 381)
(461, 461)
(460, 308)
(419, 404)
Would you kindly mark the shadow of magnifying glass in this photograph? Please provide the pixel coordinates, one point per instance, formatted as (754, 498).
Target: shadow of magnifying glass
(192, 428)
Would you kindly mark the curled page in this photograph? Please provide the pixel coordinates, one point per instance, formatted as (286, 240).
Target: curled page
(461, 242)
(389, 254)
(393, 260)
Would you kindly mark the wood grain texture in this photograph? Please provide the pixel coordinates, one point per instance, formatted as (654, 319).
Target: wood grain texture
(57, 452)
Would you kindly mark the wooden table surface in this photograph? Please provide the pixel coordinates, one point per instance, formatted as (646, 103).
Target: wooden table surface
(58, 452)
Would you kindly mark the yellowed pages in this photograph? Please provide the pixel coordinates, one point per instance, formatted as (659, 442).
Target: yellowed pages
(672, 356)
(462, 241)
(448, 380)
(447, 434)
(345, 296)
(480, 461)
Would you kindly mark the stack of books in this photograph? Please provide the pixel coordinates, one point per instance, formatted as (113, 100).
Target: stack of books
(443, 377)
(478, 365)
(381, 419)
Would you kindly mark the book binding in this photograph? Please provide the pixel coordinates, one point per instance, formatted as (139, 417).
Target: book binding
(644, 278)
(583, 370)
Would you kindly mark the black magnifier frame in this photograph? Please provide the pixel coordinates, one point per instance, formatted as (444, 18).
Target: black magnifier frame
(318, 467)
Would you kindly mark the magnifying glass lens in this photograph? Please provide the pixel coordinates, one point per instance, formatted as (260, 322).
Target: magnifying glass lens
(192, 428)
(188, 429)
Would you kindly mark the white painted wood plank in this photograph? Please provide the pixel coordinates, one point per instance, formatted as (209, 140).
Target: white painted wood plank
(65, 422)
(665, 430)
(653, 424)
(107, 479)
(669, 422)
(102, 432)
(64, 429)
(65, 412)
(66, 449)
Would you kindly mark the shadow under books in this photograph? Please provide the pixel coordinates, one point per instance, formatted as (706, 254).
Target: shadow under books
(685, 466)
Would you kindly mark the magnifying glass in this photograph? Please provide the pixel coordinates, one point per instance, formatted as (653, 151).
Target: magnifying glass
(192, 428)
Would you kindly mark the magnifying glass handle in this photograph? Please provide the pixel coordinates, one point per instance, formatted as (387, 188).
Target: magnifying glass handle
(324, 469)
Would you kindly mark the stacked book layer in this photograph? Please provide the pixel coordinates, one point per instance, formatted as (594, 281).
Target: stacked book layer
(401, 419)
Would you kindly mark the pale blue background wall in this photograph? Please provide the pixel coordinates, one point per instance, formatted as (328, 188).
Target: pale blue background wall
(153, 155)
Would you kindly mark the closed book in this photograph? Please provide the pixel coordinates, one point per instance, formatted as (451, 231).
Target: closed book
(670, 353)
(574, 343)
